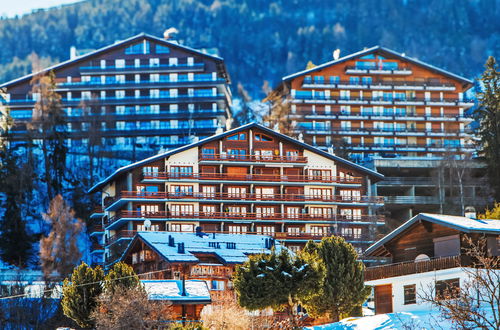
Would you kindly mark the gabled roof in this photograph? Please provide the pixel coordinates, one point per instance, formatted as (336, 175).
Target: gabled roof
(215, 244)
(462, 224)
(306, 146)
(382, 50)
(196, 291)
(115, 45)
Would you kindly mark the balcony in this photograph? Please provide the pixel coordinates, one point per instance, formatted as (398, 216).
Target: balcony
(208, 97)
(195, 67)
(96, 247)
(242, 178)
(246, 217)
(318, 130)
(217, 158)
(96, 229)
(390, 147)
(402, 115)
(127, 196)
(411, 200)
(164, 83)
(98, 212)
(412, 267)
(399, 85)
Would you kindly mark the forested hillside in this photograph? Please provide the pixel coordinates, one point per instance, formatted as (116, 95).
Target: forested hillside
(262, 39)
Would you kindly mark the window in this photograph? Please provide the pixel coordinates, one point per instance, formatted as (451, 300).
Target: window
(265, 230)
(236, 192)
(264, 212)
(148, 209)
(293, 231)
(410, 294)
(182, 190)
(217, 285)
(334, 79)
(348, 195)
(182, 227)
(264, 192)
(150, 171)
(237, 153)
(208, 153)
(181, 171)
(292, 154)
(140, 48)
(208, 191)
(447, 289)
(354, 80)
(351, 214)
(266, 154)
(263, 138)
(320, 212)
(160, 49)
(292, 212)
(319, 230)
(320, 174)
(238, 137)
(237, 211)
(209, 209)
(235, 229)
(321, 193)
(182, 209)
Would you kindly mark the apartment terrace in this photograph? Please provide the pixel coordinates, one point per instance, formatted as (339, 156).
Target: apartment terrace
(127, 196)
(415, 267)
(257, 217)
(401, 85)
(382, 70)
(191, 67)
(207, 158)
(368, 115)
(241, 178)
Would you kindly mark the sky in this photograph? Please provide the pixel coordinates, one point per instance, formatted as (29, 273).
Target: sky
(11, 8)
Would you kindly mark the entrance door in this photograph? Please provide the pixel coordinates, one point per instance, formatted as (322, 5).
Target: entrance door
(383, 299)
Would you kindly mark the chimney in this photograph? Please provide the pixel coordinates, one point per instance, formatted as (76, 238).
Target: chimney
(72, 52)
(180, 248)
(183, 289)
(336, 54)
(470, 212)
(171, 241)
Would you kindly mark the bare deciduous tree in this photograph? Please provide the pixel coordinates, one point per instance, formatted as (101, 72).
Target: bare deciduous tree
(476, 303)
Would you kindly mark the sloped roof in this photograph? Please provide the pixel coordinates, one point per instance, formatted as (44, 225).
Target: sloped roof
(171, 290)
(463, 224)
(194, 244)
(306, 146)
(381, 50)
(115, 45)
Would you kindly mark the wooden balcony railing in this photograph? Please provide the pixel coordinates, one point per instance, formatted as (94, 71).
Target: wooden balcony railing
(277, 235)
(216, 196)
(250, 177)
(95, 227)
(412, 267)
(253, 158)
(244, 216)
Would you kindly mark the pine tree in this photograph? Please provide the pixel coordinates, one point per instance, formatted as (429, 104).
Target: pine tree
(15, 241)
(488, 116)
(48, 125)
(121, 276)
(81, 293)
(273, 280)
(59, 251)
(341, 286)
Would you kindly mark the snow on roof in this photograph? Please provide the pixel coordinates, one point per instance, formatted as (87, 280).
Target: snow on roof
(196, 290)
(226, 133)
(384, 50)
(216, 244)
(463, 224)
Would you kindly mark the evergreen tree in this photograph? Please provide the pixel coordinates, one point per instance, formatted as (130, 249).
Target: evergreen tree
(81, 293)
(273, 280)
(488, 116)
(48, 125)
(341, 286)
(59, 251)
(15, 242)
(121, 276)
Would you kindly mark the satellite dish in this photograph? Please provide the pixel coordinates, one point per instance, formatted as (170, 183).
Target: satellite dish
(147, 224)
(422, 257)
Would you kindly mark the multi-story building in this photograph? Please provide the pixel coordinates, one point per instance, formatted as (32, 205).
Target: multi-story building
(144, 94)
(247, 180)
(392, 113)
(428, 256)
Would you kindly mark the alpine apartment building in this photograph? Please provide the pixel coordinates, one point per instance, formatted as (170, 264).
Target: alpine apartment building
(394, 114)
(247, 180)
(144, 94)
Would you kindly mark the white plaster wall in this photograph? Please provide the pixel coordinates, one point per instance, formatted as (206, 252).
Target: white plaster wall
(425, 282)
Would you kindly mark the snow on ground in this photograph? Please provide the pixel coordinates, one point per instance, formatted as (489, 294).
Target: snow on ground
(402, 320)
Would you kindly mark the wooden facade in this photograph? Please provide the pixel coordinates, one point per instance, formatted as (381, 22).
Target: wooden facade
(250, 180)
(381, 103)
